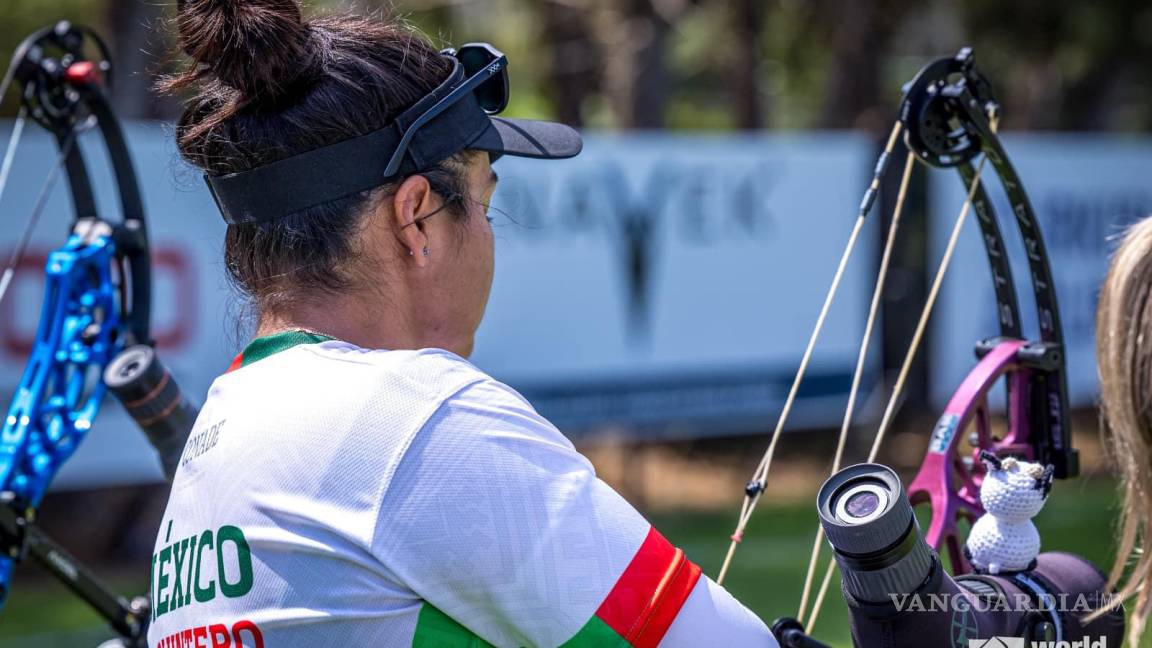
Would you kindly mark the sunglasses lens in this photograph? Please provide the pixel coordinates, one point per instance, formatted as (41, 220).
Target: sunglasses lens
(493, 93)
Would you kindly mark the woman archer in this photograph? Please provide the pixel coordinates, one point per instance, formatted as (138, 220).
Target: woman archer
(1124, 359)
(364, 485)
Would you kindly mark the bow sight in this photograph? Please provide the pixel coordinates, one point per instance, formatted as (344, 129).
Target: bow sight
(94, 325)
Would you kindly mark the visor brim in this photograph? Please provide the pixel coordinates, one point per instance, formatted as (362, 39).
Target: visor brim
(528, 138)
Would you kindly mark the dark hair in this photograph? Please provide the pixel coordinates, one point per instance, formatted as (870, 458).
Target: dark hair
(269, 85)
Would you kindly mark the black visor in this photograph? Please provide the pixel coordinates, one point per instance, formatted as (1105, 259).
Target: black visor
(454, 117)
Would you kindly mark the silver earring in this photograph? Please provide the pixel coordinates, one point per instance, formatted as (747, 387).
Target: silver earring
(425, 251)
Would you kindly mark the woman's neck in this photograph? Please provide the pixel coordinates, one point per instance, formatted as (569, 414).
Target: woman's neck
(352, 324)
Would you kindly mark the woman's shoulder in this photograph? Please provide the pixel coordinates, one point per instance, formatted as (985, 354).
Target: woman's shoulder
(418, 389)
(345, 385)
(431, 372)
(490, 414)
(457, 381)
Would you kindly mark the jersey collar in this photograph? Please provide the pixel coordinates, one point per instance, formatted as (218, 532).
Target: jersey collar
(262, 347)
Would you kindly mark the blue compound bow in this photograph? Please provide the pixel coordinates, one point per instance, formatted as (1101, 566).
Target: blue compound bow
(96, 304)
(98, 284)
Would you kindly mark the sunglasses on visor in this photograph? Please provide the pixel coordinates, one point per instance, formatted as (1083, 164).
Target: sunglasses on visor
(485, 76)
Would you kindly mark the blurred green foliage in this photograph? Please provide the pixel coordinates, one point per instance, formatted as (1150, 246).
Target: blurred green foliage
(23, 16)
(723, 64)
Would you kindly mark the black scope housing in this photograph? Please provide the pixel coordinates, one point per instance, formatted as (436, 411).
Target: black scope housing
(900, 596)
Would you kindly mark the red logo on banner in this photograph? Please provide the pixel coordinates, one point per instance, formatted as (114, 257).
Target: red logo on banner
(170, 266)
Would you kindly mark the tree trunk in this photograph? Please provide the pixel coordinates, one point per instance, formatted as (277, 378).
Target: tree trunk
(573, 66)
(747, 23)
(138, 48)
(634, 40)
(861, 30)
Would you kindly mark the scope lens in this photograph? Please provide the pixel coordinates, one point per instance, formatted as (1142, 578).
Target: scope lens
(862, 504)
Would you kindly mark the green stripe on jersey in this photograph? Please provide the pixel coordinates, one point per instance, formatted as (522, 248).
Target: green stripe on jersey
(596, 633)
(262, 347)
(434, 629)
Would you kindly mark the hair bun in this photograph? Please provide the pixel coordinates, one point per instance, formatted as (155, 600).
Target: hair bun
(259, 47)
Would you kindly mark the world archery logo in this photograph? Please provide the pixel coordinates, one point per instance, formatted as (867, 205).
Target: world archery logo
(996, 642)
(1017, 642)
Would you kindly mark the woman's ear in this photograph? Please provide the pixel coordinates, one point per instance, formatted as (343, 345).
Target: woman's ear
(411, 203)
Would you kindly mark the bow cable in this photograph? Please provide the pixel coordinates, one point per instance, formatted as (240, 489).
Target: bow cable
(13, 139)
(861, 359)
(759, 480)
(918, 335)
(9, 75)
(910, 356)
(10, 151)
(41, 202)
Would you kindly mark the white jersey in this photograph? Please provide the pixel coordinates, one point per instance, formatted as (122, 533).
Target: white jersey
(337, 496)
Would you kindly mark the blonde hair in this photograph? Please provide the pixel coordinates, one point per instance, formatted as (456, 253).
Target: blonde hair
(1124, 361)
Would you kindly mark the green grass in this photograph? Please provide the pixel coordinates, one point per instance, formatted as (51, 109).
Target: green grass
(40, 612)
(767, 574)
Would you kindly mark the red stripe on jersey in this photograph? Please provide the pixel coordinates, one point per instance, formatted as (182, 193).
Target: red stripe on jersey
(237, 362)
(649, 594)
